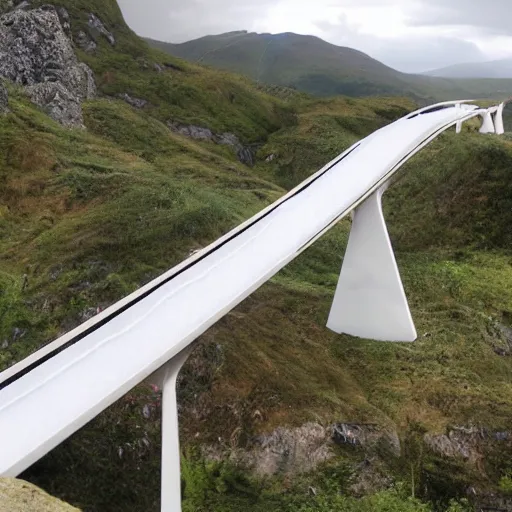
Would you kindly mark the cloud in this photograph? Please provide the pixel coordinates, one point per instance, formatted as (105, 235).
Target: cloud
(410, 53)
(424, 54)
(490, 16)
(178, 21)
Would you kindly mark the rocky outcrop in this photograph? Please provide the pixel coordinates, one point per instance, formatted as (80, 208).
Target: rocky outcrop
(58, 102)
(97, 28)
(88, 41)
(195, 132)
(286, 450)
(365, 435)
(4, 99)
(465, 442)
(302, 449)
(245, 154)
(134, 102)
(504, 348)
(84, 42)
(20, 496)
(35, 52)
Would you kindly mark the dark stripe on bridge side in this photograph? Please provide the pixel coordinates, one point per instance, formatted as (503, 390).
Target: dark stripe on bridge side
(104, 321)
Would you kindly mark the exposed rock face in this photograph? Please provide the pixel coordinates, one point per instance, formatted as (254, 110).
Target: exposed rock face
(245, 154)
(97, 28)
(296, 450)
(290, 450)
(134, 102)
(4, 99)
(366, 436)
(466, 443)
(20, 496)
(35, 52)
(65, 20)
(60, 104)
(85, 42)
(196, 132)
(228, 139)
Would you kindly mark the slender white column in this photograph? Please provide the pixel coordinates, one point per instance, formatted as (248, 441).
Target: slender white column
(171, 474)
(370, 301)
(458, 126)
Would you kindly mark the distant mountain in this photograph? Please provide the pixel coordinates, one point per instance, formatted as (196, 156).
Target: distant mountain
(303, 62)
(492, 69)
(309, 64)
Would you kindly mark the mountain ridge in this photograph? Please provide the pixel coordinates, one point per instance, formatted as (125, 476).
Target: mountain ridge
(312, 65)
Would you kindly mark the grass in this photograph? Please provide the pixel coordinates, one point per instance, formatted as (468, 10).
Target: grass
(88, 216)
(183, 196)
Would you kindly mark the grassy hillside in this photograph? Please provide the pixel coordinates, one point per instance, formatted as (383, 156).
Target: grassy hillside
(312, 65)
(88, 216)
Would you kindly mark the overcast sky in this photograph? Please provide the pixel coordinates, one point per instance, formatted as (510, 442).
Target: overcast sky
(409, 35)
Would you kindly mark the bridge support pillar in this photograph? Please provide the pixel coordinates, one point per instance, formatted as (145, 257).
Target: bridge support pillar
(166, 378)
(370, 301)
(488, 124)
(458, 126)
(498, 120)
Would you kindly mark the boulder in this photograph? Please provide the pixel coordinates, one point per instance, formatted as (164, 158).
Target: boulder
(58, 102)
(19, 496)
(36, 52)
(245, 154)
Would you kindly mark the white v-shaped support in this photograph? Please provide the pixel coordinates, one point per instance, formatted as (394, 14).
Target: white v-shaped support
(498, 120)
(370, 301)
(488, 124)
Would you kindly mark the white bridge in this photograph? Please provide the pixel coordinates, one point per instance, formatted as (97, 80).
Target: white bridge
(57, 390)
